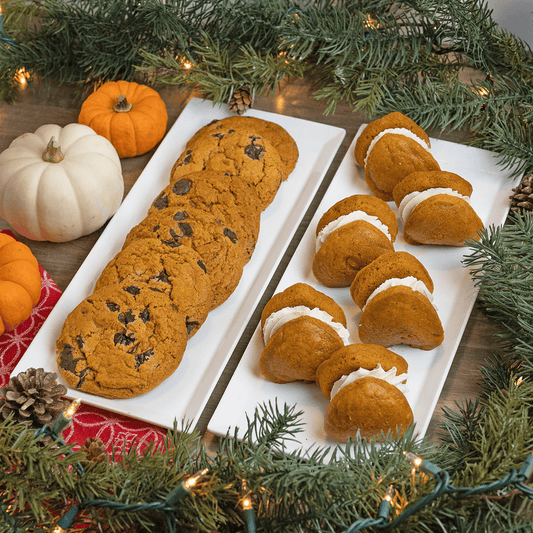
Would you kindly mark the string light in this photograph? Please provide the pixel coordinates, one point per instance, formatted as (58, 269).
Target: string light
(184, 488)
(67, 519)
(248, 513)
(386, 503)
(423, 464)
(64, 419)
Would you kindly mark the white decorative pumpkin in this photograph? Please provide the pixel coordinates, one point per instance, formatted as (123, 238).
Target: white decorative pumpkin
(58, 184)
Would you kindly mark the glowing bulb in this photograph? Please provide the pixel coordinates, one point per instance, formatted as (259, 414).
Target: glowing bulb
(191, 482)
(389, 494)
(414, 459)
(187, 65)
(72, 408)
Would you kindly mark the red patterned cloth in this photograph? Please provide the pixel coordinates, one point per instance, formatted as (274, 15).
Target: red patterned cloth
(114, 429)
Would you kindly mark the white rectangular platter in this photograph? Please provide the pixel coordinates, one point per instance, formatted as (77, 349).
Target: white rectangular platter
(184, 395)
(454, 294)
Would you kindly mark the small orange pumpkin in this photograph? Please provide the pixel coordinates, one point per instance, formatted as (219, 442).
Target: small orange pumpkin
(132, 116)
(20, 282)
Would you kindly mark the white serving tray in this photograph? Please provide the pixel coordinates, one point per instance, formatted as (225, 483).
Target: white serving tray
(184, 395)
(454, 294)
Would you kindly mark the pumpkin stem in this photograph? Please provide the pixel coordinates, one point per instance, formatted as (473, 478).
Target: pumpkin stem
(122, 105)
(53, 153)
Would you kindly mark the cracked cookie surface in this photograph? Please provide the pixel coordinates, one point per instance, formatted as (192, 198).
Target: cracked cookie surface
(216, 243)
(121, 342)
(278, 136)
(170, 268)
(237, 152)
(224, 195)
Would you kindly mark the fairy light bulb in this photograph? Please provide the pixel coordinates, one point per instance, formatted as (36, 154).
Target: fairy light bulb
(386, 503)
(248, 513)
(63, 420)
(184, 488)
(423, 464)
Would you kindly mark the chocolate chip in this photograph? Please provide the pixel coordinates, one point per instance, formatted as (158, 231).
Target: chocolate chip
(132, 289)
(230, 235)
(144, 315)
(253, 151)
(219, 136)
(202, 266)
(155, 228)
(187, 158)
(143, 357)
(123, 338)
(191, 326)
(67, 360)
(126, 318)
(161, 202)
(172, 244)
(80, 341)
(112, 306)
(181, 215)
(182, 187)
(162, 276)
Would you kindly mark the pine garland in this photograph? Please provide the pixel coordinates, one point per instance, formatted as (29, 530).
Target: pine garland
(376, 55)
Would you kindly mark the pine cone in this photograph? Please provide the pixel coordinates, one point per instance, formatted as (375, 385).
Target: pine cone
(33, 396)
(94, 449)
(522, 197)
(241, 101)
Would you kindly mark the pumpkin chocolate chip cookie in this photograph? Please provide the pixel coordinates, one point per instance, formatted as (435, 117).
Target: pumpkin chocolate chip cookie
(121, 342)
(237, 152)
(177, 271)
(226, 196)
(272, 132)
(217, 244)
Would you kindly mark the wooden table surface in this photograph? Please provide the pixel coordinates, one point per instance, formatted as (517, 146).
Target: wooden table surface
(60, 105)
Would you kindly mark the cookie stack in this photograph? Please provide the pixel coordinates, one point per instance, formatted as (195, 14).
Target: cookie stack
(183, 260)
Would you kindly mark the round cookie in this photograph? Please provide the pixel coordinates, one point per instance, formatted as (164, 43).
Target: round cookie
(442, 220)
(346, 251)
(175, 270)
(371, 205)
(218, 246)
(303, 294)
(392, 158)
(296, 350)
(120, 344)
(421, 181)
(272, 132)
(391, 121)
(401, 315)
(368, 406)
(238, 152)
(225, 196)
(387, 266)
(353, 357)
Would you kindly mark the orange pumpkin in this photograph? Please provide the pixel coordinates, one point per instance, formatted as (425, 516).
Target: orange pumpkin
(132, 116)
(20, 282)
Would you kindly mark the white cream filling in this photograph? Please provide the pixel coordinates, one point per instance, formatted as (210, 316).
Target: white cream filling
(398, 131)
(409, 281)
(410, 201)
(334, 225)
(278, 318)
(389, 376)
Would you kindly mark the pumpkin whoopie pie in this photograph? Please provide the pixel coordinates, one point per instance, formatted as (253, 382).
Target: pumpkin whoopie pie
(396, 300)
(435, 208)
(301, 328)
(350, 235)
(367, 396)
(396, 148)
